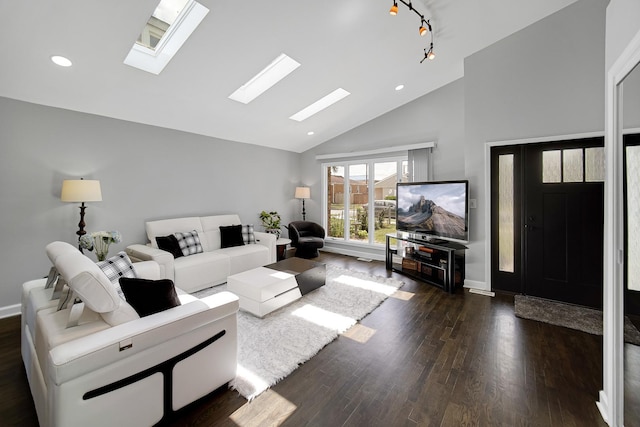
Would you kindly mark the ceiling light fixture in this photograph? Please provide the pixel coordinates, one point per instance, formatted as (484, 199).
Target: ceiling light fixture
(399, 87)
(61, 61)
(425, 26)
(279, 68)
(310, 133)
(320, 105)
(423, 30)
(428, 54)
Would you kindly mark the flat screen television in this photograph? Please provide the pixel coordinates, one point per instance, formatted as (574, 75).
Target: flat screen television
(435, 210)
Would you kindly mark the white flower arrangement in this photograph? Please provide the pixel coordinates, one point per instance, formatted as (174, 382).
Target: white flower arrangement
(100, 241)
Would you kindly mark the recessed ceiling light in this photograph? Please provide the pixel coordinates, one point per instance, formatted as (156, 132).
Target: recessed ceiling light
(310, 133)
(320, 105)
(61, 61)
(399, 87)
(265, 79)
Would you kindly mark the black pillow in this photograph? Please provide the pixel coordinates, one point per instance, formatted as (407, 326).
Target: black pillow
(170, 244)
(149, 296)
(231, 235)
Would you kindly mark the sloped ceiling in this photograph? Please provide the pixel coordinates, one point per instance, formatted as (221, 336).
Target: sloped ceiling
(353, 44)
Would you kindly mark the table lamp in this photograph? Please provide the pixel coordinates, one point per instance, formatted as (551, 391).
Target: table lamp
(81, 191)
(303, 193)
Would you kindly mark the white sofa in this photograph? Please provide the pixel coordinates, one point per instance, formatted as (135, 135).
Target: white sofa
(114, 368)
(212, 266)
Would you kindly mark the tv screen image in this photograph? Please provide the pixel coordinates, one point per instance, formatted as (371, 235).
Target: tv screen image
(437, 209)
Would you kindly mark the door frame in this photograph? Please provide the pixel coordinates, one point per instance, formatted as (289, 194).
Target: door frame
(611, 397)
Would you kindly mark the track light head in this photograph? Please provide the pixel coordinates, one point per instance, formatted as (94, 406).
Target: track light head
(431, 54)
(423, 26)
(394, 9)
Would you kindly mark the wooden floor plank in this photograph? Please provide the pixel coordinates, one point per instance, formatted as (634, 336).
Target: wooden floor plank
(425, 358)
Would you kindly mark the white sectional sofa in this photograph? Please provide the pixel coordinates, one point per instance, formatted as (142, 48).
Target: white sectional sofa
(109, 367)
(215, 263)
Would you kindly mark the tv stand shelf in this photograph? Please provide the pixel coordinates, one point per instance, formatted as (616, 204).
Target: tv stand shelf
(440, 263)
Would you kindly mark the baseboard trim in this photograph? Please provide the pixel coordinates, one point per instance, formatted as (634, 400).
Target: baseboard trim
(9, 310)
(603, 406)
(482, 292)
(353, 253)
(477, 285)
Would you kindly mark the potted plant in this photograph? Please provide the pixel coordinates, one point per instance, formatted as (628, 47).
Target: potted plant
(271, 222)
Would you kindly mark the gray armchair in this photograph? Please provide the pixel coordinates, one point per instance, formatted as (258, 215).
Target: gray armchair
(307, 237)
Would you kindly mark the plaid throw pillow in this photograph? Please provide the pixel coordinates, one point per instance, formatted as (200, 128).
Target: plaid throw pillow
(189, 242)
(247, 234)
(116, 267)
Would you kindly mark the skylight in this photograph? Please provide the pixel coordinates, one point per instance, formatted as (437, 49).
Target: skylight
(320, 105)
(159, 22)
(279, 68)
(168, 27)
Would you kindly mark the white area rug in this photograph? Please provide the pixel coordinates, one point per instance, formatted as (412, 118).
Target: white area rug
(271, 348)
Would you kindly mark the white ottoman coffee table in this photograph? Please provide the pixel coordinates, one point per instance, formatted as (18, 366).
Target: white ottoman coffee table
(264, 289)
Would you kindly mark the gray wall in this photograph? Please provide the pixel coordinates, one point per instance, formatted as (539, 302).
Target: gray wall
(438, 117)
(545, 80)
(622, 25)
(145, 172)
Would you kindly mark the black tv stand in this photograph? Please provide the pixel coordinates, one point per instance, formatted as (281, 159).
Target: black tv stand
(438, 262)
(435, 241)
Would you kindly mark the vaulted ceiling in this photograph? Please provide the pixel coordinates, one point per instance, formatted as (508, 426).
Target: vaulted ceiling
(350, 44)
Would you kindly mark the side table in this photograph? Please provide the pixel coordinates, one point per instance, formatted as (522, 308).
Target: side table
(281, 246)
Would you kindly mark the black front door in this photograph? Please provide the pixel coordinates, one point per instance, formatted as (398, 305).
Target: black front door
(547, 220)
(563, 221)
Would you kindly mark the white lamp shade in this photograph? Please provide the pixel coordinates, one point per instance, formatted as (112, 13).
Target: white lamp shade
(303, 193)
(81, 190)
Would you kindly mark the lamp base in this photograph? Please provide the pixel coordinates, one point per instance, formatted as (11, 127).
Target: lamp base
(81, 232)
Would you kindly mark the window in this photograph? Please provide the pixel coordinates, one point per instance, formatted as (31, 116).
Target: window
(632, 163)
(506, 237)
(164, 33)
(159, 22)
(573, 165)
(360, 198)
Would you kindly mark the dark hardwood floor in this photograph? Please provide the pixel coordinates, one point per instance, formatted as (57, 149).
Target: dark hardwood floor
(422, 358)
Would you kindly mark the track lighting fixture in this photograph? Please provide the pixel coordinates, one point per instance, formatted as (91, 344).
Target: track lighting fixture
(425, 26)
(431, 54)
(428, 54)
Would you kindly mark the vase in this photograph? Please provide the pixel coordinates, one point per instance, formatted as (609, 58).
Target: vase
(101, 246)
(275, 231)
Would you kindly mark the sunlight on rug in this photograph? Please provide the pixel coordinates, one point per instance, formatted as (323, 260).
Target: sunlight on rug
(271, 348)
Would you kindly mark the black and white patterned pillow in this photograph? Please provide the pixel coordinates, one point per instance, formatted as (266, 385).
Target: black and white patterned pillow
(116, 267)
(247, 234)
(189, 242)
